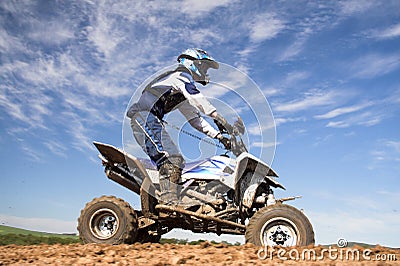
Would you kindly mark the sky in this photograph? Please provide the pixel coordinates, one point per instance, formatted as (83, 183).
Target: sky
(330, 71)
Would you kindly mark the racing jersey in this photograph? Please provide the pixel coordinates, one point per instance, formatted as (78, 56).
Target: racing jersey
(176, 90)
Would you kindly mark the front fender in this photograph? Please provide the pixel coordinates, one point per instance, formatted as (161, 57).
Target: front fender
(249, 173)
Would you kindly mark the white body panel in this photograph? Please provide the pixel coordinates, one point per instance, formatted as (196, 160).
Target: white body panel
(216, 168)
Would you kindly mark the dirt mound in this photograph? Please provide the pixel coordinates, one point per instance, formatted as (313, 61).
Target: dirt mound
(205, 253)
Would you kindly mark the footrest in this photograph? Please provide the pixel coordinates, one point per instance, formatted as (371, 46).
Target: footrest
(167, 208)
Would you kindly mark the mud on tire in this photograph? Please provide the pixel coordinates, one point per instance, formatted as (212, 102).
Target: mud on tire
(279, 224)
(108, 220)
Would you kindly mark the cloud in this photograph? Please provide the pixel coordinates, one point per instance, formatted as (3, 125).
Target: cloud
(338, 124)
(295, 77)
(342, 110)
(293, 81)
(80, 131)
(368, 227)
(13, 109)
(357, 218)
(9, 44)
(198, 8)
(264, 145)
(265, 27)
(283, 120)
(270, 91)
(395, 145)
(322, 139)
(207, 37)
(103, 30)
(31, 153)
(53, 32)
(87, 59)
(391, 196)
(369, 118)
(314, 20)
(374, 65)
(367, 113)
(355, 6)
(56, 148)
(294, 49)
(389, 33)
(311, 99)
(386, 151)
(28, 106)
(260, 28)
(258, 128)
(66, 75)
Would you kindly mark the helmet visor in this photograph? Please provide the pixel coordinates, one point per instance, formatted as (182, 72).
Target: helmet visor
(210, 63)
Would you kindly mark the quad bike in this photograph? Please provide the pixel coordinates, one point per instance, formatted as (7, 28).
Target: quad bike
(235, 196)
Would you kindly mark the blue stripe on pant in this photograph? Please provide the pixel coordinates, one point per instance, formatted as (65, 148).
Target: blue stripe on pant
(154, 139)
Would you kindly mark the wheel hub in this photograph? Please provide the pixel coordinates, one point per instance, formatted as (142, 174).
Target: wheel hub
(279, 231)
(279, 236)
(104, 223)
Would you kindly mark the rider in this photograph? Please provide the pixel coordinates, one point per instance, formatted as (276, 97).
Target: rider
(169, 91)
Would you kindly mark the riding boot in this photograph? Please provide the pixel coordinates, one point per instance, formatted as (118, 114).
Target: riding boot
(169, 178)
(167, 196)
(180, 203)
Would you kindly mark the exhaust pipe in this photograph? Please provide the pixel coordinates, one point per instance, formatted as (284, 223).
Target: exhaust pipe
(123, 181)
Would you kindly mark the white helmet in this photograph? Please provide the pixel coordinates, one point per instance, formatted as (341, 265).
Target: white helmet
(197, 61)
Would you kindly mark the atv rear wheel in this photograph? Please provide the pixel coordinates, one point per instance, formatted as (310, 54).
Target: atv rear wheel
(108, 220)
(279, 224)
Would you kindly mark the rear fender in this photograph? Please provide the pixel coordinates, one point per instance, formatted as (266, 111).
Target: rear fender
(123, 168)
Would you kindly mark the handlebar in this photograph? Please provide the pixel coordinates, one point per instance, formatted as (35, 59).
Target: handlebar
(237, 144)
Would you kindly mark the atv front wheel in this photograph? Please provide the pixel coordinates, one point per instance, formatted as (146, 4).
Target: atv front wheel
(108, 220)
(279, 224)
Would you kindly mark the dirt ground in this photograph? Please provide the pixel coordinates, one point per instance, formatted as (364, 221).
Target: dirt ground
(203, 254)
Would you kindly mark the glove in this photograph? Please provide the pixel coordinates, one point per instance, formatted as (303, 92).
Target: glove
(225, 141)
(223, 125)
(239, 126)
